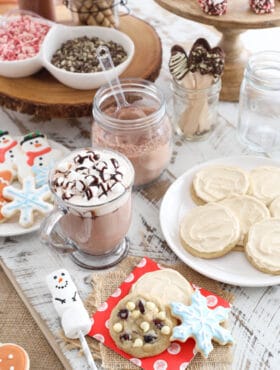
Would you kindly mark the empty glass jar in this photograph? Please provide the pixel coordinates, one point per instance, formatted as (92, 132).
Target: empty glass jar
(259, 103)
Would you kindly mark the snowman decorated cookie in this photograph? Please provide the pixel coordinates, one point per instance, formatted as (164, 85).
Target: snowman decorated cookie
(11, 156)
(39, 155)
(27, 159)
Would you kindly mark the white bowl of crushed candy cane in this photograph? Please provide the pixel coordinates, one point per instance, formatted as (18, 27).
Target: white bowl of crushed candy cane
(21, 36)
(69, 54)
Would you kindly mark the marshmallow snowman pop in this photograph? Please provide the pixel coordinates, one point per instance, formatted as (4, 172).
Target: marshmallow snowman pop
(75, 320)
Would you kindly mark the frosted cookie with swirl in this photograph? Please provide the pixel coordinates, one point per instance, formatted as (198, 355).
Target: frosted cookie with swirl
(215, 183)
(141, 325)
(209, 231)
(262, 248)
(274, 207)
(167, 285)
(264, 183)
(248, 211)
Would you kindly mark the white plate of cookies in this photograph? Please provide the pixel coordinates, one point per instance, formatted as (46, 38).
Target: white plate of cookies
(25, 196)
(222, 218)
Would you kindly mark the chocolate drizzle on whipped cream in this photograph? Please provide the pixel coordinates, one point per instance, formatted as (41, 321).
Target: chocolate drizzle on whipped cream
(88, 176)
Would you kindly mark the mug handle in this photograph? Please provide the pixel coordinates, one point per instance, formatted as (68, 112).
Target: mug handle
(51, 237)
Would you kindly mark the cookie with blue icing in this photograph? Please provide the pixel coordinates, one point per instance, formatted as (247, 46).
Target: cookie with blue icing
(201, 323)
(26, 201)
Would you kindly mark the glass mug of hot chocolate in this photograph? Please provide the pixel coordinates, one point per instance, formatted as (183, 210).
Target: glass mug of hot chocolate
(92, 195)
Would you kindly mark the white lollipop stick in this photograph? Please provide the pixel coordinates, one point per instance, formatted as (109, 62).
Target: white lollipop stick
(87, 352)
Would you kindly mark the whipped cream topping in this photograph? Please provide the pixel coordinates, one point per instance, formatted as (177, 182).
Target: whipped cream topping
(263, 244)
(215, 183)
(92, 177)
(248, 211)
(265, 183)
(166, 284)
(210, 228)
(275, 207)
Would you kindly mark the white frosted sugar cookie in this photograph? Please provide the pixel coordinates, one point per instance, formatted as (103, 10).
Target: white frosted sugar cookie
(263, 246)
(248, 211)
(166, 284)
(275, 207)
(264, 183)
(209, 231)
(215, 183)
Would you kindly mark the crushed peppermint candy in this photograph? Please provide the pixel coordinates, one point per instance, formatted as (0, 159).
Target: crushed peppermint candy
(21, 38)
(213, 7)
(262, 6)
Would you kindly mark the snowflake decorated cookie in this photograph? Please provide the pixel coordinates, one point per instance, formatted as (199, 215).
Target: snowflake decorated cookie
(26, 201)
(201, 323)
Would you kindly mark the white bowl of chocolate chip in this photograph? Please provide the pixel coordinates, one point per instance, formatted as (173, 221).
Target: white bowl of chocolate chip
(69, 54)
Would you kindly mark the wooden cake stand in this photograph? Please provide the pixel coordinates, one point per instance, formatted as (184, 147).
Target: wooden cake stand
(43, 96)
(238, 19)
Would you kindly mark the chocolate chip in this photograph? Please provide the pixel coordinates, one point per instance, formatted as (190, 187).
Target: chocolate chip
(79, 54)
(125, 336)
(158, 323)
(141, 307)
(149, 338)
(123, 314)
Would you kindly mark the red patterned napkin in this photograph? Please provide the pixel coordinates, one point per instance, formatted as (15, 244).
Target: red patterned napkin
(178, 355)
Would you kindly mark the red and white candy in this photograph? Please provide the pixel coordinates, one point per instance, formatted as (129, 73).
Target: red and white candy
(21, 38)
(213, 7)
(262, 6)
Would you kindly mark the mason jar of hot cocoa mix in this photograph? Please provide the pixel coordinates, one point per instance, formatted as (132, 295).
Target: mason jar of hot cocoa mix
(139, 129)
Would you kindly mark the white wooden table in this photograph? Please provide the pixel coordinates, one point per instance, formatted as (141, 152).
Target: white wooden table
(255, 319)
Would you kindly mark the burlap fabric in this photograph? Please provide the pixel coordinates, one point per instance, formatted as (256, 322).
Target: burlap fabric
(17, 326)
(104, 284)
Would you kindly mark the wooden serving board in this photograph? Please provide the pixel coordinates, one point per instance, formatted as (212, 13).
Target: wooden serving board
(43, 96)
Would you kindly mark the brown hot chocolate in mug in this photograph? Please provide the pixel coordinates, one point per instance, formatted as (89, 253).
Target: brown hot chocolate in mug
(92, 191)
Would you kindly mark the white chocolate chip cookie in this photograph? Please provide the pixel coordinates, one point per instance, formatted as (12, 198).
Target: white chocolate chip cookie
(141, 326)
